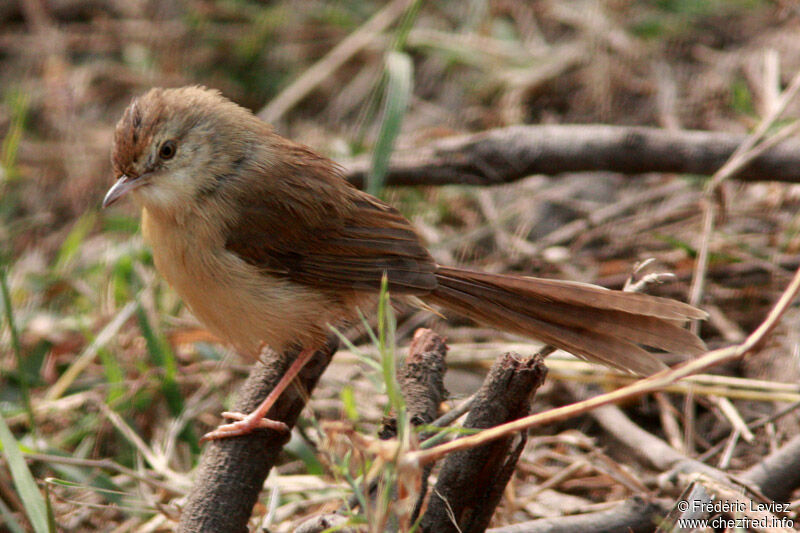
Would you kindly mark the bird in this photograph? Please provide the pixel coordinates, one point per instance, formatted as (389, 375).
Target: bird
(268, 244)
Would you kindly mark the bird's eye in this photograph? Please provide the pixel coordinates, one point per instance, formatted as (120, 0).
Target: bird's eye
(167, 150)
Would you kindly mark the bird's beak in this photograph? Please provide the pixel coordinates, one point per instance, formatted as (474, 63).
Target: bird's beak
(123, 185)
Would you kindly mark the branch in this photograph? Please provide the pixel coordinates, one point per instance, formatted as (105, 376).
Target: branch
(232, 471)
(421, 380)
(635, 515)
(505, 155)
(471, 482)
(778, 474)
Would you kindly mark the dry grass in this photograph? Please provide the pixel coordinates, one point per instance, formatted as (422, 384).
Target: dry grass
(120, 381)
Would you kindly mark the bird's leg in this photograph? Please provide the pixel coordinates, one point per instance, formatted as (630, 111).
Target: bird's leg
(247, 423)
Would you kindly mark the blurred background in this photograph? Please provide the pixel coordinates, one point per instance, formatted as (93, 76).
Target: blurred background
(101, 365)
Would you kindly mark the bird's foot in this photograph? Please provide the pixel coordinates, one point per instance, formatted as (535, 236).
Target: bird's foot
(244, 425)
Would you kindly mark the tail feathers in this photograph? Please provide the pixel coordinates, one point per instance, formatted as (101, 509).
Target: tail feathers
(589, 321)
(582, 294)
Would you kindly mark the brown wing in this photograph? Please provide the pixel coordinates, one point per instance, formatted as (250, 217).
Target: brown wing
(314, 228)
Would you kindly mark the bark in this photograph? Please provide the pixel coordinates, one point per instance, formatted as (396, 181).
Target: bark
(471, 483)
(232, 471)
(505, 155)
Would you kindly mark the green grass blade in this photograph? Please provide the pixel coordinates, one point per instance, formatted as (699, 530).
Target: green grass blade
(8, 519)
(405, 26)
(161, 355)
(35, 505)
(298, 447)
(115, 376)
(349, 406)
(364, 358)
(17, 102)
(399, 75)
(9, 313)
(51, 515)
(16, 345)
(373, 101)
(386, 332)
(72, 243)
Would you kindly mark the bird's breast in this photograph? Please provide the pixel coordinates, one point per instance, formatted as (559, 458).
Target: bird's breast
(233, 299)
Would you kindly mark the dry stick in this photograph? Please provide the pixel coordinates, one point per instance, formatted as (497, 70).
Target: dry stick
(751, 147)
(734, 165)
(641, 443)
(740, 273)
(651, 448)
(644, 386)
(505, 155)
(654, 450)
(706, 493)
(455, 413)
(471, 482)
(232, 471)
(775, 477)
(343, 51)
(766, 475)
(752, 426)
(771, 480)
(779, 473)
(636, 515)
(740, 157)
(422, 381)
(421, 378)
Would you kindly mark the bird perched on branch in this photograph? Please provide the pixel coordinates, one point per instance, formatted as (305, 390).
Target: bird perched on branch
(267, 243)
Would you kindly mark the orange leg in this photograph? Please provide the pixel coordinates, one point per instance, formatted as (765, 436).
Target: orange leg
(247, 423)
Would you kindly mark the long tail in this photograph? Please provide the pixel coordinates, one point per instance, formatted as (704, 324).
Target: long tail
(589, 321)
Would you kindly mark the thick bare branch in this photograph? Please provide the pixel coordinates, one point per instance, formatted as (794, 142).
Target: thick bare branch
(508, 154)
(778, 475)
(232, 471)
(471, 482)
(635, 515)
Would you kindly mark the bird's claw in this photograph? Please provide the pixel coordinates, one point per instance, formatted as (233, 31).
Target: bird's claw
(244, 425)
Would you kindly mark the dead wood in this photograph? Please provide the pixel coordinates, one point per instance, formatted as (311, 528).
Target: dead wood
(232, 471)
(777, 362)
(421, 380)
(471, 482)
(778, 475)
(325, 522)
(772, 479)
(636, 515)
(640, 443)
(743, 274)
(775, 477)
(505, 155)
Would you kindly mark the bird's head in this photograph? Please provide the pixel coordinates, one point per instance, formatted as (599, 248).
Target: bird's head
(172, 146)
